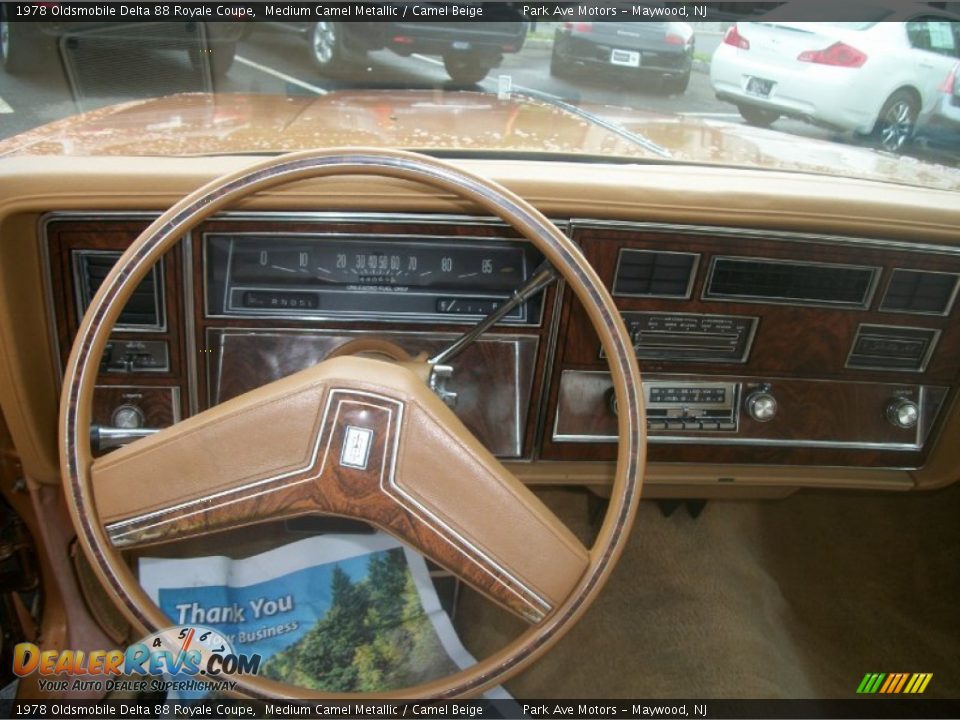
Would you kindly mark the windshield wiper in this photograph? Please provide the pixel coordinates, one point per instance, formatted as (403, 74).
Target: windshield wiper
(636, 138)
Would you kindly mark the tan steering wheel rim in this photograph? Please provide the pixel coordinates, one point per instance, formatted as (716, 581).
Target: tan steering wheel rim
(163, 234)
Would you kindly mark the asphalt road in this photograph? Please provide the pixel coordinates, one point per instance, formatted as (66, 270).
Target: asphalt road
(273, 61)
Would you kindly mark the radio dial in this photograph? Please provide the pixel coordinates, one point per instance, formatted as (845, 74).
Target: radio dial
(761, 406)
(903, 413)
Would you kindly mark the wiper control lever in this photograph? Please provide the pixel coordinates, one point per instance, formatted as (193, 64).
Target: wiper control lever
(541, 278)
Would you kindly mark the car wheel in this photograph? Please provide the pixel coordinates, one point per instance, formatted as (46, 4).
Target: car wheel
(559, 68)
(465, 69)
(326, 47)
(676, 85)
(896, 121)
(760, 117)
(19, 54)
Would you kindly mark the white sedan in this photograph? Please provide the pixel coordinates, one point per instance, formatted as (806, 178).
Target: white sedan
(874, 78)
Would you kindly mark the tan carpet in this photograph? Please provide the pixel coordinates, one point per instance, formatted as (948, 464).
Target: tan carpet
(791, 598)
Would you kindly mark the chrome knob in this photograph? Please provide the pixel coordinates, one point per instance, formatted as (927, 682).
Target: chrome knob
(128, 417)
(612, 403)
(761, 406)
(903, 413)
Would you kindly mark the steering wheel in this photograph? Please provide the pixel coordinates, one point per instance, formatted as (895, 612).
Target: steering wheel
(352, 436)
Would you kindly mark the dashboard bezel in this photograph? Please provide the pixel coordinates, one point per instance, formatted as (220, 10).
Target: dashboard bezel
(472, 241)
(551, 364)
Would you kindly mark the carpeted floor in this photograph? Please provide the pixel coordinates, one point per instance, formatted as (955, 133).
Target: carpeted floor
(795, 598)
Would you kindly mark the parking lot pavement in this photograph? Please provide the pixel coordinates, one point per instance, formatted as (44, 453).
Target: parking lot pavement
(276, 62)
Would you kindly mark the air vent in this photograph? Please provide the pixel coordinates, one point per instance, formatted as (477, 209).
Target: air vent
(144, 310)
(920, 291)
(655, 273)
(885, 347)
(788, 282)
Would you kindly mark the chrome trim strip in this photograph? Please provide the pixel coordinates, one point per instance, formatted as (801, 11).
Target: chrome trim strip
(52, 335)
(189, 324)
(691, 280)
(765, 442)
(703, 440)
(950, 299)
(779, 235)
(367, 217)
(434, 318)
(864, 304)
(548, 364)
(932, 344)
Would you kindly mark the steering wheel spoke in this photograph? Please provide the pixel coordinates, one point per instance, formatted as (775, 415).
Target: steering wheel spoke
(358, 438)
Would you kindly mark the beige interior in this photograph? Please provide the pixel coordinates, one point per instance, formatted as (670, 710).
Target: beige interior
(32, 186)
(756, 584)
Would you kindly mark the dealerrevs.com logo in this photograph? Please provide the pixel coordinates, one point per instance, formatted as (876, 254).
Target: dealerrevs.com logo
(181, 658)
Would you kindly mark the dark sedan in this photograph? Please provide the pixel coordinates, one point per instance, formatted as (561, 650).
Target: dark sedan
(661, 51)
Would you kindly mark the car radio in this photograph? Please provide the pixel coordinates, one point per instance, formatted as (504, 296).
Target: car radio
(677, 405)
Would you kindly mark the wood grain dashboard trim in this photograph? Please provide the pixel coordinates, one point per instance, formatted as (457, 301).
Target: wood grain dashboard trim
(541, 417)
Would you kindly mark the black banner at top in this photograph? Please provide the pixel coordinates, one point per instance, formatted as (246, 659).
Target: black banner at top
(256, 11)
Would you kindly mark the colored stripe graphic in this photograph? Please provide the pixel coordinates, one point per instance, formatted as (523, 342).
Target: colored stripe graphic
(899, 687)
(894, 683)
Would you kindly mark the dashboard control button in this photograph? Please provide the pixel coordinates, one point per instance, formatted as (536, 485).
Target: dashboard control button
(761, 406)
(128, 417)
(903, 413)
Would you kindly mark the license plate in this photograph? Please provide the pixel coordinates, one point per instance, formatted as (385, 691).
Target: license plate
(461, 45)
(627, 58)
(759, 86)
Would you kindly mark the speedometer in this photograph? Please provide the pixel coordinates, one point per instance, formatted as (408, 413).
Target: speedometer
(356, 264)
(416, 279)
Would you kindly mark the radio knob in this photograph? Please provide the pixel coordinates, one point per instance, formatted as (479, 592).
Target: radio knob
(761, 406)
(128, 417)
(903, 413)
(612, 403)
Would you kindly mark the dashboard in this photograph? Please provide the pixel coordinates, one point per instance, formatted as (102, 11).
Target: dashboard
(792, 331)
(759, 348)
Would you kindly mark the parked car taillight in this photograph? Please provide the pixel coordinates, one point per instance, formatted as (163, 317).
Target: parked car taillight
(839, 54)
(951, 84)
(583, 27)
(733, 37)
(675, 39)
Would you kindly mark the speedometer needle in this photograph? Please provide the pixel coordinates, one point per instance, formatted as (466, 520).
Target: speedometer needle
(542, 277)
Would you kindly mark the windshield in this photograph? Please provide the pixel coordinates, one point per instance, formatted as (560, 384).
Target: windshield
(761, 86)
